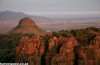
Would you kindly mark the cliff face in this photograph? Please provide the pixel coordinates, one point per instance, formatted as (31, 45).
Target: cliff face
(60, 51)
(96, 42)
(66, 52)
(27, 26)
(29, 49)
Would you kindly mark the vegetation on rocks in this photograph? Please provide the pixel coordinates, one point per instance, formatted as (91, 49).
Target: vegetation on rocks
(63, 47)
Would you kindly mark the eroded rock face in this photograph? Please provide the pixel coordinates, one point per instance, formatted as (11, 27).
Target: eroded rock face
(27, 26)
(90, 54)
(66, 55)
(32, 50)
(29, 49)
(96, 41)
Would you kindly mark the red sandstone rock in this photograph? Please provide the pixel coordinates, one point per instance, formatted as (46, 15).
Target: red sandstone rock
(17, 50)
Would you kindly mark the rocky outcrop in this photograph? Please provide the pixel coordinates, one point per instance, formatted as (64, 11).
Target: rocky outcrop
(30, 50)
(96, 41)
(90, 54)
(66, 55)
(59, 51)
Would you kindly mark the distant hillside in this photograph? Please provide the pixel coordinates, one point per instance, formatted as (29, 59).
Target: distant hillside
(9, 19)
(27, 26)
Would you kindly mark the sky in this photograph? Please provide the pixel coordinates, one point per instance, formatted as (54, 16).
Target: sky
(52, 8)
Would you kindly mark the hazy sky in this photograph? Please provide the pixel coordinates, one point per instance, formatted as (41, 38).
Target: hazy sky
(52, 7)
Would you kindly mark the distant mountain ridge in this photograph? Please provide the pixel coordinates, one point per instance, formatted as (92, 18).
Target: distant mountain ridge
(15, 15)
(9, 19)
(11, 15)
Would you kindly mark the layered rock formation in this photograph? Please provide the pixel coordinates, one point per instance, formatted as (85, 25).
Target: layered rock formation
(96, 41)
(90, 54)
(30, 50)
(66, 55)
(60, 51)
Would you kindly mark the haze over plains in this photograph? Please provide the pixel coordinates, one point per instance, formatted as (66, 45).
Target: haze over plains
(51, 15)
(54, 8)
